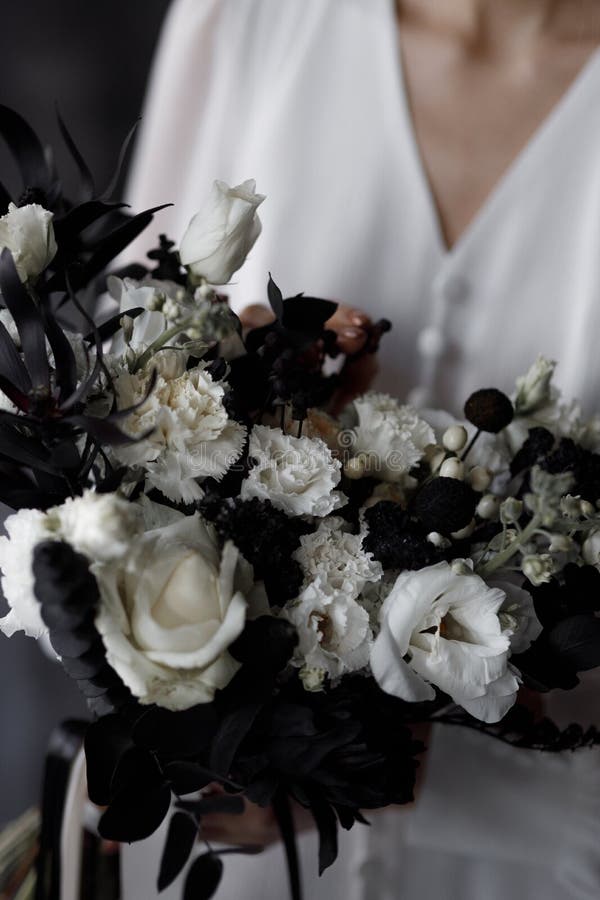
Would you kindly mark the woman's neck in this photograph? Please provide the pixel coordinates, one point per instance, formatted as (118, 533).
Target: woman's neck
(508, 24)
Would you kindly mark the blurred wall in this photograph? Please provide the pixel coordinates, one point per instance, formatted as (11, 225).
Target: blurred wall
(93, 60)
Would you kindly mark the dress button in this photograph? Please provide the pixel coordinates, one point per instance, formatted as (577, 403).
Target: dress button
(431, 342)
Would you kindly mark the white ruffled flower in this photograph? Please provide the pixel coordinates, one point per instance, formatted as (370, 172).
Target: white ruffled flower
(297, 475)
(191, 436)
(590, 550)
(28, 233)
(335, 554)
(170, 610)
(24, 530)
(517, 615)
(391, 437)
(534, 388)
(439, 627)
(334, 634)
(220, 236)
(100, 526)
(538, 568)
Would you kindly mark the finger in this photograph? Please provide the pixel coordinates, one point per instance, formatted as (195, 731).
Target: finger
(351, 340)
(255, 316)
(348, 317)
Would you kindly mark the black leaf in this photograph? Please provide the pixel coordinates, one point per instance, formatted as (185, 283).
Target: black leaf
(107, 194)
(326, 823)
(11, 365)
(28, 320)
(307, 315)
(135, 814)
(187, 777)
(26, 148)
(179, 844)
(214, 803)
(106, 741)
(178, 734)
(275, 298)
(204, 877)
(577, 641)
(87, 182)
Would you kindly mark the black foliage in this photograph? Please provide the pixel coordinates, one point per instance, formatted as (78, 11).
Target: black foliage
(204, 877)
(397, 540)
(265, 536)
(583, 464)
(538, 444)
(181, 837)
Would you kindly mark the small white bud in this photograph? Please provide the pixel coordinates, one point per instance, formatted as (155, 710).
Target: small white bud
(488, 507)
(312, 678)
(462, 566)
(435, 456)
(511, 511)
(465, 532)
(452, 468)
(480, 478)
(591, 549)
(455, 438)
(355, 468)
(570, 506)
(587, 509)
(538, 569)
(438, 540)
(126, 323)
(560, 543)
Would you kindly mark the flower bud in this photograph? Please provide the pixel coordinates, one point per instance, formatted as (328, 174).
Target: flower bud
(455, 438)
(488, 506)
(452, 468)
(480, 478)
(511, 510)
(538, 568)
(465, 532)
(533, 389)
(591, 549)
(312, 678)
(438, 540)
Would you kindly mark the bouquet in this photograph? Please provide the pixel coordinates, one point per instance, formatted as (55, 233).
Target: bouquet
(258, 596)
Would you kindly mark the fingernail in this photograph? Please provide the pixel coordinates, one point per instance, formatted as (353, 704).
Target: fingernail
(351, 333)
(359, 319)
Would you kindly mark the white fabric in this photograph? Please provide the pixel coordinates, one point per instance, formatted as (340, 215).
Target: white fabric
(307, 97)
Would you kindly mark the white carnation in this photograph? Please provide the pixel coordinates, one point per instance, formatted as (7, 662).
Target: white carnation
(334, 634)
(183, 430)
(337, 555)
(28, 233)
(391, 437)
(297, 475)
(441, 626)
(24, 530)
(100, 526)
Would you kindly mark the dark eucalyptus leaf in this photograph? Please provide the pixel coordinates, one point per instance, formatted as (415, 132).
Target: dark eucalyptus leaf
(28, 320)
(73, 643)
(26, 149)
(87, 181)
(188, 777)
(24, 450)
(135, 814)
(115, 242)
(275, 298)
(181, 837)
(88, 664)
(307, 315)
(577, 641)
(65, 364)
(106, 740)
(12, 367)
(112, 325)
(326, 823)
(204, 877)
(178, 734)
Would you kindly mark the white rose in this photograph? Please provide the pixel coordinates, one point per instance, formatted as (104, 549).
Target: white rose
(100, 526)
(169, 612)
(439, 627)
(391, 437)
(220, 236)
(297, 475)
(28, 233)
(191, 435)
(334, 635)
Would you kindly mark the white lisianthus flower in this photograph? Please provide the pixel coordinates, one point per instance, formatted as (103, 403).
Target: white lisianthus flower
(517, 615)
(297, 475)
(336, 555)
(534, 388)
(439, 627)
(100, 526)
(191, 435)
(334, 635)
(169, 611)
(24, 530)
(391, 437)
(220, 236)
(28, 233)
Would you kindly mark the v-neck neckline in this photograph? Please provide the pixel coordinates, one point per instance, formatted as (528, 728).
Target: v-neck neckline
(503, 184)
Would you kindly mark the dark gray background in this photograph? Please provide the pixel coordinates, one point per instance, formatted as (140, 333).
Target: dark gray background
(93, 60)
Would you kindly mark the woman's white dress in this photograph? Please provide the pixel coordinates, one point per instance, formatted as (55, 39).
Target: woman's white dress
(307, 96)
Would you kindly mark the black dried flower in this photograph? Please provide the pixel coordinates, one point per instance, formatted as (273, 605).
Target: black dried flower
(537, 445)
(489, 410)
(584, 465)
(445, 505)
(396, 540)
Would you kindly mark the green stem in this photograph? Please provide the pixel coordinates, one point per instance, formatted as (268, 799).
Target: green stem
(159, 343)
(502, 558)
